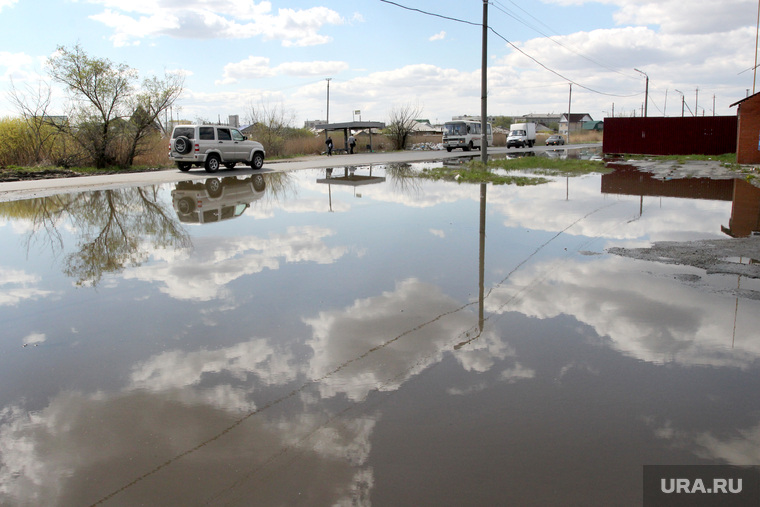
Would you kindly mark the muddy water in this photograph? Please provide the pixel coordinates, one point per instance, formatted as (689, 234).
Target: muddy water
(320, 338)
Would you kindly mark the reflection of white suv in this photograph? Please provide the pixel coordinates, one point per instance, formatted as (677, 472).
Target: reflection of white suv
(215, 200)
(213, 146)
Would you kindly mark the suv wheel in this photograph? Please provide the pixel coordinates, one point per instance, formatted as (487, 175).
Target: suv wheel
(258, 183)
(214, 187)
(184, 166)
(182, 145)
(212, 163)
(229, 165)
(258, 161)
(186, 205)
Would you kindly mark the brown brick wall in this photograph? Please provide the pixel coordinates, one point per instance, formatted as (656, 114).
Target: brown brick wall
(747, 151)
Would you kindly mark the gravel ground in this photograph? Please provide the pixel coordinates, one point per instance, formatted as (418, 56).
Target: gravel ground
(672, 169)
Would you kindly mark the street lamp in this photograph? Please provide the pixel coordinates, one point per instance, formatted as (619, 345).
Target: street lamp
(646, 91)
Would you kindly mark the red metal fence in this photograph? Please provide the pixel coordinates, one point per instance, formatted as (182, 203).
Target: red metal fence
(705, 135)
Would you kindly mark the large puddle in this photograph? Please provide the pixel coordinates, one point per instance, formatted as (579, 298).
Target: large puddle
(357, 337)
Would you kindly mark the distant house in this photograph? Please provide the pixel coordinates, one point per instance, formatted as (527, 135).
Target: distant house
(56, 120)
(576, 122)
(597, 126)
(547, 120)
(311, 124)
(423, 126)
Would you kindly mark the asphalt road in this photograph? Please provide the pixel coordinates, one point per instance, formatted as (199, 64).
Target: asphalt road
(17, 190)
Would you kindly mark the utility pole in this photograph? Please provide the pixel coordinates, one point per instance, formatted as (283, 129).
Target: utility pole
(569, 101)
(484, 89)
(683, 101)
(327, 121)
(696, 102)
(646, 91)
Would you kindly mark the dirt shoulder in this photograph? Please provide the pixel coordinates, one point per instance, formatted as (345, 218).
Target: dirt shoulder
(714, 169)
(730, 256)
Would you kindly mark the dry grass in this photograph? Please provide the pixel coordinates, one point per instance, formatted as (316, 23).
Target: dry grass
(155, 154)
(584, 137)
(303, 146)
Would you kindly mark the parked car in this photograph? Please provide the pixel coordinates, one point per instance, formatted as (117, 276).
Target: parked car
(555, 140)
(212, 146)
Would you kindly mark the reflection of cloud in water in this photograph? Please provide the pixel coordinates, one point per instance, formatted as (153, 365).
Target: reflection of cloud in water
(434, 193)
(215, 262)
(81, 448)
(741, 448)
(481, 354)
(34, 339)
(183, 407)
(177, 370)
(380, 342)
(18, 286)
(651, 317)
(550, 211)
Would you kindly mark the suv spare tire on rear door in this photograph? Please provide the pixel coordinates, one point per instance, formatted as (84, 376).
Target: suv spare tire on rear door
(182, 145)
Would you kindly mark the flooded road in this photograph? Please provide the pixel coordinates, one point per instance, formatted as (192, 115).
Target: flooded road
(364, 337)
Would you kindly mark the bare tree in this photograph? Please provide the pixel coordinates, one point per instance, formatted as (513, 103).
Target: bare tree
(271, 124)
(401, 124)
(33, 104)
(156, 97)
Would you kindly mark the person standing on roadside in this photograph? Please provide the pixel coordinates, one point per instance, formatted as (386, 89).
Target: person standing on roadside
(329, 144)
(351, 144)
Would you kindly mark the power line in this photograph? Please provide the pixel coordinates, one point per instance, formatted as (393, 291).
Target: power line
(555, 72)
(502, 8)
(433, 14)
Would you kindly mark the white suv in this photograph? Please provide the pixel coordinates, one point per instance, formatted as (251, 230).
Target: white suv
(213, 146)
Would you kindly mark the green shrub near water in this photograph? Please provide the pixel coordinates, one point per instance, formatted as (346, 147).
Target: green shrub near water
(15, 148)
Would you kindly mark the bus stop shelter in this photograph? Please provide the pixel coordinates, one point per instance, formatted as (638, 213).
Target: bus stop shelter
(351, 125)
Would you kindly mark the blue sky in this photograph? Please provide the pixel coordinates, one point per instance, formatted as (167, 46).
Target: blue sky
(240, 54)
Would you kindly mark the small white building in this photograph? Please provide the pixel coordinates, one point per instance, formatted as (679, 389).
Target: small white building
(576, 122)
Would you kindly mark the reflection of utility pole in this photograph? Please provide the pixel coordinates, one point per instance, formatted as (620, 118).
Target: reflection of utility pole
(481, 277)
(328, 174)
(736, 308)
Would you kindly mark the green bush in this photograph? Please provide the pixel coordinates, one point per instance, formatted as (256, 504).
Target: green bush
(15, 148)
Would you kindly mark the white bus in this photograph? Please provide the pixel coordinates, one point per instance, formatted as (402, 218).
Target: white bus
(465, 134)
